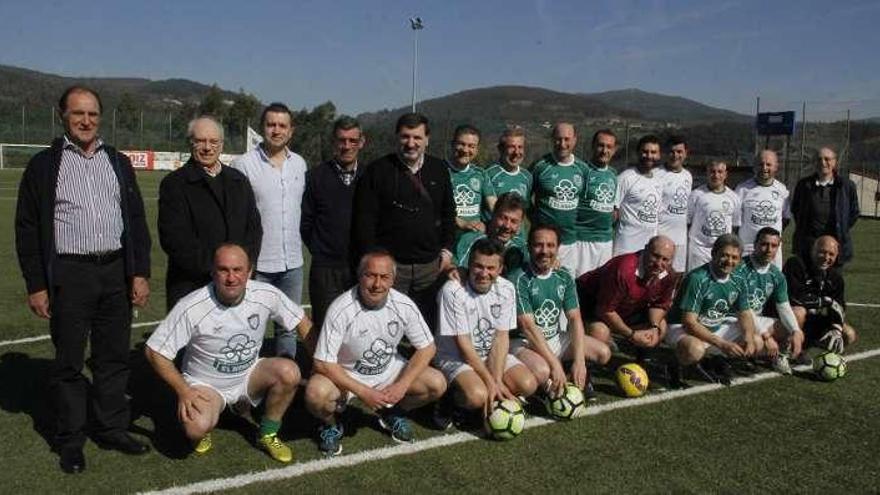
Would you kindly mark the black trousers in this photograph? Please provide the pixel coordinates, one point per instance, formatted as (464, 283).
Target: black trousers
(326, 284)
(90, 303)
(421, 282)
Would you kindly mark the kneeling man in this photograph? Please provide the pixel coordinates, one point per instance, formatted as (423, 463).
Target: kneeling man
(222, 326)
(357, 355)
(476, 315)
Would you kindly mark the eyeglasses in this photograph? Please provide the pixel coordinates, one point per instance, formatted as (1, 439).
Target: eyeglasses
(211, 143)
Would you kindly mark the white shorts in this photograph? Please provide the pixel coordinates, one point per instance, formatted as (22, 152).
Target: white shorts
(451, 368)
(729, 331)
(568, 257)
(594, 255)
(626, 245)
(698, 256)
(558, 345)
(395, 367)
(679, 262)
(232, 393)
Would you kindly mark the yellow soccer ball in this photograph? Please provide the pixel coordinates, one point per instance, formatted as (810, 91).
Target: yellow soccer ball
(632, 380)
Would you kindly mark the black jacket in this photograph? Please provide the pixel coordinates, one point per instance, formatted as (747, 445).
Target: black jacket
(193, 221)
(844, 208)
(325, 225)
(390, 211)
(35, 218)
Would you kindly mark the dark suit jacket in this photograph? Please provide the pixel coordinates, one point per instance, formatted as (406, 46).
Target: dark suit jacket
(193, 221)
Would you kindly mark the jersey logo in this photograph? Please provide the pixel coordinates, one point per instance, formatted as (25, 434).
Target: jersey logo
(482, 337)
(547, 317)
(565, 198)
(757, 299)
(375, 359)
(764, 213)
(604, 201)
(254, 321)
(464, 199)
(237, 355)
(647, 211)
(495, 309)
(678, 206)
(716, 314)
(715, 224)
(393, 328)
(474, 183)
(560, 291)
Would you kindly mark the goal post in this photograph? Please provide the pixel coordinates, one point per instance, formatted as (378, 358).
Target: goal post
(17, 156)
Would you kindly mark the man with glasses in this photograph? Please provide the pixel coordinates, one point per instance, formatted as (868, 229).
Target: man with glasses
(202, 205)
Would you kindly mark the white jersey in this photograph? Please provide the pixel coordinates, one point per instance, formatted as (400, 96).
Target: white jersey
(710, 215)
(363, 340)
(463, 311)
(222, 342)
(762, 206)
(676, 190)
(638, 201)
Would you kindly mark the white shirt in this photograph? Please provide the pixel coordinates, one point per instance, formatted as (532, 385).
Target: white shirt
(278, 192)
(363, 340)
(711, 214)
(761, 206)
(676, 190)
(463, 311)
(222, 342)
(638, 200)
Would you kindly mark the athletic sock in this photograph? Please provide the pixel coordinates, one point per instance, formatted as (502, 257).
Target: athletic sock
(269, 427)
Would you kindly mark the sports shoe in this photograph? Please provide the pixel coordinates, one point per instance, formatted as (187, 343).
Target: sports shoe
(803, 359)
(275, 448)
(398, 427)
(781, 365)
(443, 415)
(723, 371)
(331, 439)
(590, 394)
(204, 445)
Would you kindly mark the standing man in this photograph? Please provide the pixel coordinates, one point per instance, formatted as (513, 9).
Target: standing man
(595, 213)
(824, 204)
(84, 249)
(637, 204)
(676, 183)
(558, 181)
(277, 176)
(471, 190)
(764, 203)
(357, 355)
(712, 211)
(403, 203)
(222, 326)
(508, 175)
(326, 217)
(202, 205)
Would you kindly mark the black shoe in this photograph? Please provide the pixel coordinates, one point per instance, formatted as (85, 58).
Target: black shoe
(723, 371)
(72, 460)
(705, 374)
(122, 442)
(674, 378)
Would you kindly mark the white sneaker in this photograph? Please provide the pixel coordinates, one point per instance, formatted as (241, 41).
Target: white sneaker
(781, 364)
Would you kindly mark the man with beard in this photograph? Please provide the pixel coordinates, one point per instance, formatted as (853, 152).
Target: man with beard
(595, 212)
(676, 184)
(637, 203)
(764, 203)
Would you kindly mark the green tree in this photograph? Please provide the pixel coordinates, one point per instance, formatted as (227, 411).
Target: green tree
(213, 103)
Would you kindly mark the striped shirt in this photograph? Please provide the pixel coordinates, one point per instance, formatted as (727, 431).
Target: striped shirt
(88, 214)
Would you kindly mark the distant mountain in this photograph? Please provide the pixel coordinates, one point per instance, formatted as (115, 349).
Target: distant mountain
(658, 107)
(23, 86)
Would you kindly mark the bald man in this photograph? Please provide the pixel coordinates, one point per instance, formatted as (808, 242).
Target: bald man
(202, 205)
(824, 204)
(764, 202)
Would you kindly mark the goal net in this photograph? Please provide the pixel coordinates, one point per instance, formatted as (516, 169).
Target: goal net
(18, 155)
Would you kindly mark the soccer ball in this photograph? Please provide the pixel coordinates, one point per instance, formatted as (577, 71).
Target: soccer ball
(569, 405)
(506, 420)
(829, 366)
(632, 380)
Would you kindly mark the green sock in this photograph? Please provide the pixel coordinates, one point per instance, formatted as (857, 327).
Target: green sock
(269, 427)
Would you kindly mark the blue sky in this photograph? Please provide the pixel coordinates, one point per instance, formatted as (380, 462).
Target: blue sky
(358, 54)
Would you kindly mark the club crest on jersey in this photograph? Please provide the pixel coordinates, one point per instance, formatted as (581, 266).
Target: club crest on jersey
(764, 213)
(678, 206)
(482, 337)
(393, 328)
(495, 309)
(578, 181)
(565, 196)
(647, 211)
(604, 201)
(560, 292)
(726, 206)
(474, 183)
(254, 321)
(237, 355)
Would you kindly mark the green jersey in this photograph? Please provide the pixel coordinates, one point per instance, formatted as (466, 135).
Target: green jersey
(594, 222)
(546, 297)
(470, 188)
(557, 189)
(515, 253)
(763, 285)
(714, 301)
(519, 182)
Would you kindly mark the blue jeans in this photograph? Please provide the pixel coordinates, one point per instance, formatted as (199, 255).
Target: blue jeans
(289, 282)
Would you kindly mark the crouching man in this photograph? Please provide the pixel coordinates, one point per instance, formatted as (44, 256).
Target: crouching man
(357, 355)
(222, 326)
(475, 318)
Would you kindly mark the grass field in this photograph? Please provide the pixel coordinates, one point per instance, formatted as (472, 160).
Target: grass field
(775, 435)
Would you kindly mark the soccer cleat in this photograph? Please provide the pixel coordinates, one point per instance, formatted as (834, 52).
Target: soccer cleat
(704, 374)
(331, 439)
(204, 445)
(723, 371)
(398, 427)
(781, 365)
(275, 448)
(443, 415)
(803, 359)
(590, 392)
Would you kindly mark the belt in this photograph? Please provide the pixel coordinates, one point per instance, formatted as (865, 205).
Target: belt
(94, 258)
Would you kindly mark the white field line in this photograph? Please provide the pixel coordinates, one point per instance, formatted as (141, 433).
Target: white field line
(40, 338)
(318, 465)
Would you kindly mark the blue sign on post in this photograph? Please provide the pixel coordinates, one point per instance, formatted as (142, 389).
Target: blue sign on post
(775, 123)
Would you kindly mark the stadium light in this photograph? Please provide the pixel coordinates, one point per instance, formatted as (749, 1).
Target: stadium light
(417, 25)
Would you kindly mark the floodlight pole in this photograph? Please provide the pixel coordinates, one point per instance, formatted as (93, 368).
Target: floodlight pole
(417, 25)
